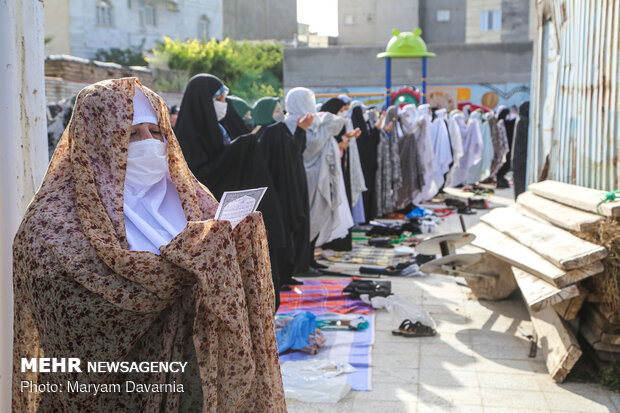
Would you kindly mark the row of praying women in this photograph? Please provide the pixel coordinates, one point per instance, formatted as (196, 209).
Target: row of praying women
(421, 150)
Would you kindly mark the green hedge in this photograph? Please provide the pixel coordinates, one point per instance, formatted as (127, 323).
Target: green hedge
(250, 70)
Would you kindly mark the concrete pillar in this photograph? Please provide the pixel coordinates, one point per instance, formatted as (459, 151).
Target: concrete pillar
(23, 148)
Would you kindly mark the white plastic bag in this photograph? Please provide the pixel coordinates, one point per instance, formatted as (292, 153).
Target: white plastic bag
(312, 381)
(402, 309)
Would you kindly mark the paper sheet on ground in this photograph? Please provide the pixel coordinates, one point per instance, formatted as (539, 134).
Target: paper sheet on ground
(236, 205)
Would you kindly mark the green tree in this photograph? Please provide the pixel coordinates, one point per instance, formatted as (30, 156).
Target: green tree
(250, 70)
(131, 56)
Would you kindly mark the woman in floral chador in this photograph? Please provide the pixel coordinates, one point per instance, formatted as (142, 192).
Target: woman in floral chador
(118, 259)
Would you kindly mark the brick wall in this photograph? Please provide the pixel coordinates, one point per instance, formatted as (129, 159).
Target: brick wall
(80, 70)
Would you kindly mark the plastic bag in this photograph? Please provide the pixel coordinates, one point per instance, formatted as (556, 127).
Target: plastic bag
(402, 309)
(298, 333)
(418, 212)
(312, 381)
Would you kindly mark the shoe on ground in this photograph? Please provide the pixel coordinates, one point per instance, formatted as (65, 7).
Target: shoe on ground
(502, 183)
(318, 266)
(312, 272)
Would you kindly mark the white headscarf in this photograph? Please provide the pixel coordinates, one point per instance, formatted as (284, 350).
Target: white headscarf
(354, 104)
(143, 111)
(424, 109)
(409, 118)
(151, 203)
(345, 98)
(299, 102)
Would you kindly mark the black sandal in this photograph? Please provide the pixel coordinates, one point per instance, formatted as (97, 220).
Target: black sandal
(417, 329)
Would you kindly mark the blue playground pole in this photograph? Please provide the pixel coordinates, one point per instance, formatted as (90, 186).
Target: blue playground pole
(388, 81)
(424, 79)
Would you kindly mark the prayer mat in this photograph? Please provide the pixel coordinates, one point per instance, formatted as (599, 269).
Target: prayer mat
(343, 346)
(321, 296)
(365, 255)
(466, 194)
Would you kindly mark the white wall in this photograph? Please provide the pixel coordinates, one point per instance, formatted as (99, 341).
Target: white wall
(23, 158)
(87, 37)
(374, 20)
(57, 25)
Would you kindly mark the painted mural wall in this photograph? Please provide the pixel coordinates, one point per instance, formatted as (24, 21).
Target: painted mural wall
(490, 95)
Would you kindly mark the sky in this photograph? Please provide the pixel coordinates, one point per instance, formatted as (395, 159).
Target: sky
(322, 15)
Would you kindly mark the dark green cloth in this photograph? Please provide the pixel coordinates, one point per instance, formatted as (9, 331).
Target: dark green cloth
(262, 113)
(240, 105)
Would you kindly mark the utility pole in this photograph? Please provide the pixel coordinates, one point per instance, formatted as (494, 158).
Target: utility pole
(23, 158)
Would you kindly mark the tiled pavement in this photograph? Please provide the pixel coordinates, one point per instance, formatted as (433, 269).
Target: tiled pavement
(478, 362)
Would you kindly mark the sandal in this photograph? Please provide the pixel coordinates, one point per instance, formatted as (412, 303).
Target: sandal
(417, 329)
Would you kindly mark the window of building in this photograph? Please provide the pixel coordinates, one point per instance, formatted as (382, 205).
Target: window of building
(147, 13)
(203, 27)
(104, 13)
(443, 15)
(490, 20)
(349, 19)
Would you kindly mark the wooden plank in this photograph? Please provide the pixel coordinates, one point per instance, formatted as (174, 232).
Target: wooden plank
(555, 244)
(606, 337)
(492, 288)
(595, 341)
(538, 293)
(569, 309)
(575, 196)
(560, 215)
(607, 323)
(557, 343)
(509, 250)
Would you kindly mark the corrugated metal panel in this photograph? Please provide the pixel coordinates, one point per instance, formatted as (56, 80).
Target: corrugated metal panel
(575, 100)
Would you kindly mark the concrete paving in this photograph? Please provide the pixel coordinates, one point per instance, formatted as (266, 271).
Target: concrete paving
(478, 361)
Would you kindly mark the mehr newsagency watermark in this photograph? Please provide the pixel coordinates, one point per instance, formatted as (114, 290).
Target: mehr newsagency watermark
(74, 365)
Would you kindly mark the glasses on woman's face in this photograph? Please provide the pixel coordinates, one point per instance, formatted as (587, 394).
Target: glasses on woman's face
(144, 131)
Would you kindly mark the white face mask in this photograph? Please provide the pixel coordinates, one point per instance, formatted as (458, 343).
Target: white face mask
(147, 164)
(366, 116)
(220, 109)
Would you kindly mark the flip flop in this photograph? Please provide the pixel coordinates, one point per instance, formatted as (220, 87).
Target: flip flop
(417, 329)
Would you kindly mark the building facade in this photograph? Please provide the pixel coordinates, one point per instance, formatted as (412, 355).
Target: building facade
(81, 27)
(483, 48)
(370, 22)
(260, 19)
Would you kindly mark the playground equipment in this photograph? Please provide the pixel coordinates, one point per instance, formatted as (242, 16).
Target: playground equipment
(405, 45)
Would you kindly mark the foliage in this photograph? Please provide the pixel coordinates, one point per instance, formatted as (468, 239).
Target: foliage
(250, 70)
(47, 39)
(131, 56)
(167, 80)
(610, 377)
